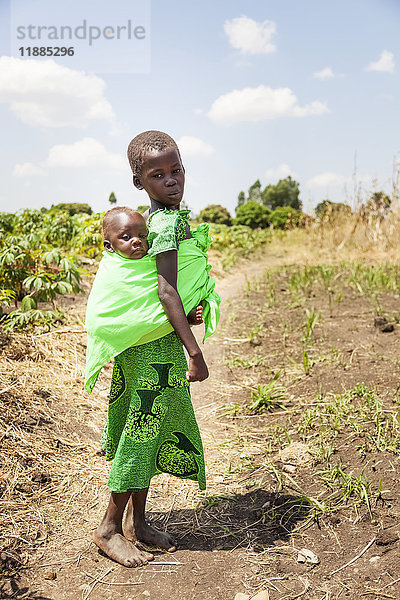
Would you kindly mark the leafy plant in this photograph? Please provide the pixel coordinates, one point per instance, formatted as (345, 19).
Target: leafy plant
(22, 319)
(346, 485)
(268, 396)
(270, 295)
(214, 500)
(6, 296)
(245, 363)
(312, 318)
(31, 275)
(307, 362)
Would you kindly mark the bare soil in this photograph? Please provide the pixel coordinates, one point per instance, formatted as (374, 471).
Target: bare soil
(263, 469)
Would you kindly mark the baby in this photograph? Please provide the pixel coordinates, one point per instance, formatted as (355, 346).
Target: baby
(125, 232)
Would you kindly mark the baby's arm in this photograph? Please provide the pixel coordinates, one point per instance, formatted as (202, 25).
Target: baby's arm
(167, 270)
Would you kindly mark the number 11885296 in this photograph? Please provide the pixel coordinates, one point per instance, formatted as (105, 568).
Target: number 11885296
(46, 51)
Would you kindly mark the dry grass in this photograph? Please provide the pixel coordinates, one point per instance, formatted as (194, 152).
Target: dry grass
(342, 237)
(44, 461)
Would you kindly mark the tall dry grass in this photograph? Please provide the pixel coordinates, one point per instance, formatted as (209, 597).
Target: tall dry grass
(342, 237)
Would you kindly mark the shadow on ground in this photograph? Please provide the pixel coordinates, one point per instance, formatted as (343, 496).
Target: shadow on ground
(255, 519)
(11, 568)
(12, 589)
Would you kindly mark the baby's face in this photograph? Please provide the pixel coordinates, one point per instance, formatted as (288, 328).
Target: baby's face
(127, 235)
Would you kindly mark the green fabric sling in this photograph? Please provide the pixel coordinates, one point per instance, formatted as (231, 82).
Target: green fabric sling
(124, 310)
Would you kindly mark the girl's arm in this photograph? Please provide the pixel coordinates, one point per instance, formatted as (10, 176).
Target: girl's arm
(167, 271)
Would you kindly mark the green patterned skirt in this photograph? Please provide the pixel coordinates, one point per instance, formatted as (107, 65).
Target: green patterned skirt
(151, 427)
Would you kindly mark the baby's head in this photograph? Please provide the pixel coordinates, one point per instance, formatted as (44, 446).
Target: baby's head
(157, 167)
(125, 232)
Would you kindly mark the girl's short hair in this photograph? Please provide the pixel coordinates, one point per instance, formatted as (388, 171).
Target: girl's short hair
(145, 142)
(117, 210)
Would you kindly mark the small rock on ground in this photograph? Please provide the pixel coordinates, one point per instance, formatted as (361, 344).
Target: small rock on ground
(296, 454)
(262, 595)
(384, 538)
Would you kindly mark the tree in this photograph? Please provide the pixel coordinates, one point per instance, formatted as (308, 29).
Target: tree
(142, 208)
(255, 192)
(285, 193)
(327, 209)
(7, 221)
(73, 208)
(285, 217)
(184, 206)
(253, 215)
(379, 203)
(215, 213)
(112, 199)
(380, 200)
(241, 198)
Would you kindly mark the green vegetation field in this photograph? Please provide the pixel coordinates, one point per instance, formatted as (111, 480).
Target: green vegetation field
(44, 254)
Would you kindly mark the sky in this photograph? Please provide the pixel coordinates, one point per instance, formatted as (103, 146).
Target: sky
(255, 89)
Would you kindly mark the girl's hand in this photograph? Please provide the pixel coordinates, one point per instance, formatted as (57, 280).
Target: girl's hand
(198, 370)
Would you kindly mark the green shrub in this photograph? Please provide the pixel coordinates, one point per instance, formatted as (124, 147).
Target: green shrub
(252, 214)
(215, 213)
(73, 208)
(142, 208)
(285, 217)
(7, 221)
(328, 209)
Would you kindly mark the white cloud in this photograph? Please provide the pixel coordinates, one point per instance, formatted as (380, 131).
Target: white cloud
(326, 73)
(259, 104)
(28, 170)
(385, 63)
(198, 111)
(44, 93)
(327, 179)
(280, 172)
(249, 36)
(87, 152)
(192, 146)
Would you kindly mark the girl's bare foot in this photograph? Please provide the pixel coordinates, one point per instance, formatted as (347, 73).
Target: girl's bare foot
(115, 546)
(195, 316)
(152, 537)
(136, 528)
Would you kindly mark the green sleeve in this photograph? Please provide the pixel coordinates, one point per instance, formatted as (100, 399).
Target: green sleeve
(166, 230)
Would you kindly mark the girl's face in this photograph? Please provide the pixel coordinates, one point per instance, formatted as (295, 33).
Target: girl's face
(127, 235)
(163, 177)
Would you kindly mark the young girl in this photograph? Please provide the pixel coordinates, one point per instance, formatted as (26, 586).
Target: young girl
(157, 168)
(151, 426)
